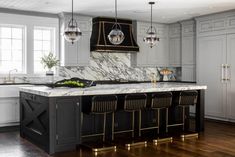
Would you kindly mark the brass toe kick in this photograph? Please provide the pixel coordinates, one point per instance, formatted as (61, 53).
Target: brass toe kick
(189, 136)
(142, 143)
(104, 149)
(163, 140)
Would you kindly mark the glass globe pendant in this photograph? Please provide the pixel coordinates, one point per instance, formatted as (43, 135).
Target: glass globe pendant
(72, 33)
(116, 36)
(151, 36)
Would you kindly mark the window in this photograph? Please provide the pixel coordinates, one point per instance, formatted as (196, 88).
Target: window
(44, 43)
(12, 49)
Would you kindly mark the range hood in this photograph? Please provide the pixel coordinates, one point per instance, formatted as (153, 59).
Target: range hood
(99, 37)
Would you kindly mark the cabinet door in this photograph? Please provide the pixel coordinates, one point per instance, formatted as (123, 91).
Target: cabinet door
(188, 50)
(83, 56)
(188, 73)
(211, 55)
(7, 111)
(231, 75)
(66, 121)
(70, 53)
(162, 52)
(142, 55)
(175, 51)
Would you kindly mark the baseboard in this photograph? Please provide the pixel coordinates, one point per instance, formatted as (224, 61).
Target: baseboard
(9, 128)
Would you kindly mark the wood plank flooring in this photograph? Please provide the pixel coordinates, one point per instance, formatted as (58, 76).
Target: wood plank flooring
(218, 140)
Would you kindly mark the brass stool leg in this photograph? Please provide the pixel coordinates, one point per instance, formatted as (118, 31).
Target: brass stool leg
(133, 124)
(158, 120)
(140, 123)
(104, 127)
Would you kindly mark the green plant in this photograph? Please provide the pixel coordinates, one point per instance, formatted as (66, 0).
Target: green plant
(49, 61)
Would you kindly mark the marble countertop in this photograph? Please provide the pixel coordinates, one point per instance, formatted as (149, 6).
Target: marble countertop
(111, 89)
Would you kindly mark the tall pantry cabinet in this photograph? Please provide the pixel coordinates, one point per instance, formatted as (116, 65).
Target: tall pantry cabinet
(216, 64)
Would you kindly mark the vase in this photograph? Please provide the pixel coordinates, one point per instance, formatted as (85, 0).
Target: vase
(49, 72)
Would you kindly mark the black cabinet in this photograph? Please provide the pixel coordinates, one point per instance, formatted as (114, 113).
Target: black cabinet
(67, 121)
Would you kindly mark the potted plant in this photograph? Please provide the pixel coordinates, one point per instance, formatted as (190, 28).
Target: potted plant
(49, 61)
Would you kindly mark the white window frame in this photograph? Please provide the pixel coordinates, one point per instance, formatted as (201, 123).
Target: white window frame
(53, 44)
(29, 22)
(23, 46)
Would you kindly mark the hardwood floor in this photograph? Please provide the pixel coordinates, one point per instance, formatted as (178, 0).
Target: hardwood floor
(218, 140)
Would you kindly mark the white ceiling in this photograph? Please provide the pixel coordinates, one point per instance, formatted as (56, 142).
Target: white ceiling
(165, 11)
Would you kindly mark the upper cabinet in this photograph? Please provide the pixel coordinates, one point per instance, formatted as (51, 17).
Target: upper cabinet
(159, 54)
(175, 45)
(217, 24)
(188, 42)
(77, 54)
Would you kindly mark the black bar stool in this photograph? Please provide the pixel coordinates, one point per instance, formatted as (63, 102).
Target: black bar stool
(102, 105)
(160, 101)
(133, 103)
(186, 99)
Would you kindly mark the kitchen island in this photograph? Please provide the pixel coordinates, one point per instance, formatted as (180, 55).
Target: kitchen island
(50, 117)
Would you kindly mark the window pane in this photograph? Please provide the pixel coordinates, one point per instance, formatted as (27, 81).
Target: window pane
(11, 48)
(5, 55)
(5, 32)
(6, 43)
(46, 46)
(43, 45)
(47, 35)
(37, 55)
(17, 33)
(17, 55)
(17, 44)
(38, 34)
(37, 45)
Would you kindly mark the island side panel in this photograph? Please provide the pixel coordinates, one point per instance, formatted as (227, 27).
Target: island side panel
(34, 119)
(200, 111)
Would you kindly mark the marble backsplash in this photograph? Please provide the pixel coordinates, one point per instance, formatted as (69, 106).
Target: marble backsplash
(115, 66)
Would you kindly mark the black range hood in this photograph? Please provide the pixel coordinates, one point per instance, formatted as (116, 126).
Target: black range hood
(99, 37)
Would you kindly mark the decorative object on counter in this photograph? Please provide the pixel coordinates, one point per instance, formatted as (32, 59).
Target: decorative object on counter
(116, 36)
(153, 79)
(165, 72)
(72, 33)
(151, 37)
(73, 83)
(49, 61)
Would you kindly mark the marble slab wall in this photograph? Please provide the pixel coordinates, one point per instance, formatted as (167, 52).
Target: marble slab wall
(114, 66)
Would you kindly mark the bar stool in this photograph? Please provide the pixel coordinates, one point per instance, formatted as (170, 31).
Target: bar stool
(102, 105)
(134, 103)
(186, 99)
(161, 101)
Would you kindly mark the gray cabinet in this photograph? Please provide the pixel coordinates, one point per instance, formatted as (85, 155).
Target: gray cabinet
(230, 72)
(216, 69)
(159, 54)
(188, 73)
(67, 121)
(175, 52)
(217, 24)
(188, 50)
(77, 54)
(211, 57)
(175, 45)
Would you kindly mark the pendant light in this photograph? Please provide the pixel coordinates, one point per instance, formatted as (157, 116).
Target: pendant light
(151, 37)
(72, 33)
(116, 36)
